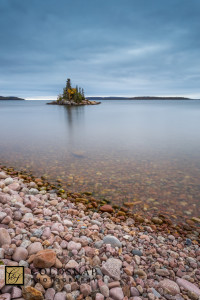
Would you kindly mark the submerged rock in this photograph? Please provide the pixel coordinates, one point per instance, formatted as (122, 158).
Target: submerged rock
(107, 208)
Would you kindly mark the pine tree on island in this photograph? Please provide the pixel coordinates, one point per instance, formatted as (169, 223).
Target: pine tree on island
(73, 96)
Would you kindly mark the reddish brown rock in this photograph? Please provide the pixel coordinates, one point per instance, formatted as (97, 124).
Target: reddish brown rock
(106, 208)
(44, 259)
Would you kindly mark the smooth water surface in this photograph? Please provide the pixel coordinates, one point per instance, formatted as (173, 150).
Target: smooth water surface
(146, 152)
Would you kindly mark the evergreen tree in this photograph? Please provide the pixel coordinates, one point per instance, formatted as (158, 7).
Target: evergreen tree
(68, 84)
(82, 94)
(66, 94)
(72, 94)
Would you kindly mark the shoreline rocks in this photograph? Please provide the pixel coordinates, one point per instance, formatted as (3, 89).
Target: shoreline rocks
(71, 252)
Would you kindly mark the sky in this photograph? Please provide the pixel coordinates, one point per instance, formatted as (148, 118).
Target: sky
(108, 47)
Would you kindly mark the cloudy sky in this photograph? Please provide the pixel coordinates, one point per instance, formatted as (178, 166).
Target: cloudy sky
(109, 47)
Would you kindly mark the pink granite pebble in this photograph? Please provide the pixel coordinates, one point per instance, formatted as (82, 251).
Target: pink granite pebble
(188, 286)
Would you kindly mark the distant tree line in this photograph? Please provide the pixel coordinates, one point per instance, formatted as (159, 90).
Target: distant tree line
(71, 94)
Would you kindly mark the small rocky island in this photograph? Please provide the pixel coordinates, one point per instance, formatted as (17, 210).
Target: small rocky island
(72, 96)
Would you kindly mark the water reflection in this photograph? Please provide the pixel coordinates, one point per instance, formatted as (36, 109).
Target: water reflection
(74, 116)
(75, 119)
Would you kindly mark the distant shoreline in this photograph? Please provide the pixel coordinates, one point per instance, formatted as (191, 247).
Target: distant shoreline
(111, 98)
(140, 98)
(10, 98)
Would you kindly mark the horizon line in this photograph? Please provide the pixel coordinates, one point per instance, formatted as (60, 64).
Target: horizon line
(53, 98)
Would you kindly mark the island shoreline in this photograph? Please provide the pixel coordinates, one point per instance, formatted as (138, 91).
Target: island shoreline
(71, 103)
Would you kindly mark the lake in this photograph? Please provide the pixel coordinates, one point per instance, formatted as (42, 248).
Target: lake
(146, 152)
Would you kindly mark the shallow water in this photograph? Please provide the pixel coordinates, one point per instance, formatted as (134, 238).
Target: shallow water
(146, 152)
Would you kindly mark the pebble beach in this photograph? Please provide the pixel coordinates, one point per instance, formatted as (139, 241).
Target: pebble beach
(73, 250)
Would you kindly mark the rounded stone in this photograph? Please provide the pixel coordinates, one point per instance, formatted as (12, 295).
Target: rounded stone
(3, 175)
(73, 246)
(104, 290)
(33, 191)
(49, 294)
(85, 289)
(157, 220)
(99, 296)
(188, 286)
(2, 215)
(137, 252)
(16, 292)
(20, 254)
(117, 293)
(8, 181)
(57, 227)
(170, 286)
(2, 276)
(45, 280)
(34, 248)
(112, 240)
(60, 296)
(4, 237)
(106, 208)
(67, 223)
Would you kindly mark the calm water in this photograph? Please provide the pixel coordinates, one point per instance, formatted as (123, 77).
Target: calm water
(146, 152)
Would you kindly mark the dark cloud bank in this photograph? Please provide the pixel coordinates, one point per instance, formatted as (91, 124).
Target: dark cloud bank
(115, 47)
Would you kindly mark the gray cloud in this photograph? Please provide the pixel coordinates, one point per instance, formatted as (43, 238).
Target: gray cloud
(131, 47)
